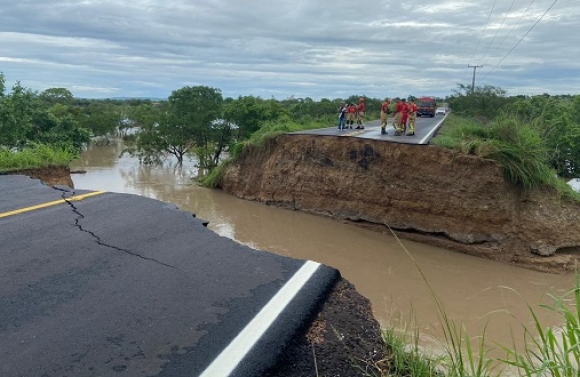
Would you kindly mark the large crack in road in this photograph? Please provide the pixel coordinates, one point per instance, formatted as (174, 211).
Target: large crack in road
(98, 239)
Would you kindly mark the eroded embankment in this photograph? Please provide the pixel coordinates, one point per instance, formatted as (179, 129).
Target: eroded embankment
(425, 193)
(51, 176)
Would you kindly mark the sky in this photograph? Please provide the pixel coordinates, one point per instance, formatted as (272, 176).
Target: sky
(293, 48)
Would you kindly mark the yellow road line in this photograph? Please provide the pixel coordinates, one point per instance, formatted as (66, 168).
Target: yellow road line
(50, 204)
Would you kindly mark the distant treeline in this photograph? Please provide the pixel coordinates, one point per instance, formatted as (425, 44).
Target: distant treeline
(200, 121)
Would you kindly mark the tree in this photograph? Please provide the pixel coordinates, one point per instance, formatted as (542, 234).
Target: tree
(484, 102)
(100, 118)
(58, 129)
(186, 124)
(2, 84)
(16, 112)
(57, 95)
(247, 114)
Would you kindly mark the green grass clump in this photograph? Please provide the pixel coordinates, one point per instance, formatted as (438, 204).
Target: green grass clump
(516, 145)
(282, 126)
(214, 178)
(36, 156)
(555, 351)
(405, 358)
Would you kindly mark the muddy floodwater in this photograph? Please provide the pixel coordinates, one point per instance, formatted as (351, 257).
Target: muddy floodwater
(475, 292)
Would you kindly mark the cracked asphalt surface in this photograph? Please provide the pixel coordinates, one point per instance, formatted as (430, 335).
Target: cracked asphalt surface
(124, 285)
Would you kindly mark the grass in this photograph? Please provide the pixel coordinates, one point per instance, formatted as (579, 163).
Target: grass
(259, 139)
(405, 356)
(517, 146)
(36, 156)
(552, 352)
(555, 351)
(460, 359)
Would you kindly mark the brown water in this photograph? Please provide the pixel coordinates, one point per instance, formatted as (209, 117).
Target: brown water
(474, 291)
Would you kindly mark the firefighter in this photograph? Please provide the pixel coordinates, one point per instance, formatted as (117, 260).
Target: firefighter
(351, 115)
(412, 117)
(384, 115)
(398, 117)
(360, 114)
(404, 116)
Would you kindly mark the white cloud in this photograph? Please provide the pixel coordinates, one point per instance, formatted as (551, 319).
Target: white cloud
(301, 48)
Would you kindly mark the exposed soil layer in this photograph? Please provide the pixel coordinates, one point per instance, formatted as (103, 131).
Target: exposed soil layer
(424, 193)
(344, 340)
(51, 176)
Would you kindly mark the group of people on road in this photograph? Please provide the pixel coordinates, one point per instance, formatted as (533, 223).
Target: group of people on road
(403, 121)
(349, 113)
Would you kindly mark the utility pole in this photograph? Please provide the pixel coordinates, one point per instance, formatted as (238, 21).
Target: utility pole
(473, 80)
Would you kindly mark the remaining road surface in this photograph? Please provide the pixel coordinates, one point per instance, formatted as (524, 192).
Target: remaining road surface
(103, 284)
(425, 128)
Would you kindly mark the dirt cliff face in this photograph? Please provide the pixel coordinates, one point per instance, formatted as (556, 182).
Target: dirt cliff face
(424, 193)
(51, 176)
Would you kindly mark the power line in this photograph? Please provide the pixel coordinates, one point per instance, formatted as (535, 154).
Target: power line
(496, 33)
(521, 39)
(482, 32)
(512, 29)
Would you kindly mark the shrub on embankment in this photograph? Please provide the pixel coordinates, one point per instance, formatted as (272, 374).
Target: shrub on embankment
(35, 156)
(259, 138)
(518, 146)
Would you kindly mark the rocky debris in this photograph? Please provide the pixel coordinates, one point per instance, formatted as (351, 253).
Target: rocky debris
(424, 193)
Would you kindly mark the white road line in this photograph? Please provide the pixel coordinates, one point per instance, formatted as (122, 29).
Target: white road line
(423, 140)
(230, 357)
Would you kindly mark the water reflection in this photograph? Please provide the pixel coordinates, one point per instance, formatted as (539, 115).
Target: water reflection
(475, 291)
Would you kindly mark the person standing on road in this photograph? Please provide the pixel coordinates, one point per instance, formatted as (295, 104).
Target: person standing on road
(351, 115)
(398, 117)
(404, 116)
(384, 115)
(342, 111)
(360, 114)
(412, 117)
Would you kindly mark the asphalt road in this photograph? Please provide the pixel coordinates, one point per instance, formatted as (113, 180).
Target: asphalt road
(425, 128)
(105, 284)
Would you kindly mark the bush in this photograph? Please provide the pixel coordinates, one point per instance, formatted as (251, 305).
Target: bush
(517, 146)
(36, 156)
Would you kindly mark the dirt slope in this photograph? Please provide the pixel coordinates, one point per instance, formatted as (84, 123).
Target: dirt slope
(51, 176)
(425, 193)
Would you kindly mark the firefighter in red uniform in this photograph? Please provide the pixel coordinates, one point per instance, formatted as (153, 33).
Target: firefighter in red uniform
(360, 114)
(404, 116)
(351, 115)
(412, 117)
(384, 115)
(398, 117)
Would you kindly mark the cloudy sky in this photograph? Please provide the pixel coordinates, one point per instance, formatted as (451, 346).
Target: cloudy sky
(301, 48)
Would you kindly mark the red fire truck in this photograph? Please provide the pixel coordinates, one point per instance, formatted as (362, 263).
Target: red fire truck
(426, 106)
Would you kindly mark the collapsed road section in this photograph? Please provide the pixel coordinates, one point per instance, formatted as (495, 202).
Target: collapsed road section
(95, 284)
